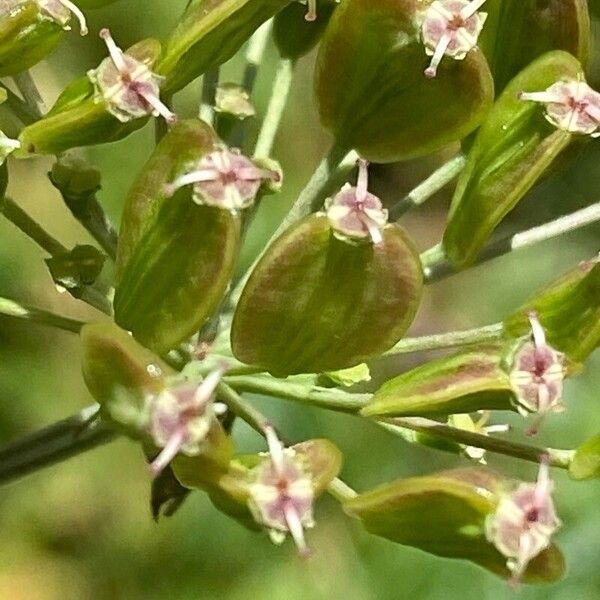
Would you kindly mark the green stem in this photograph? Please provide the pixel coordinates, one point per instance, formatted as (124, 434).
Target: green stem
(210, 81)
(53, 444)
(240, 408)
(19, 108)
(277, 103)
(255, 53)
(428, 188)
(453, 339)
(299, 390)
(340, 401)
(10, 308)
(436, 266)
(33, 99)
(558, 458)
(18, 217)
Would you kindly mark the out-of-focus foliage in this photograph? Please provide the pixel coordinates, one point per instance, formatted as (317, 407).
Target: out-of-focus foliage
(83, 529)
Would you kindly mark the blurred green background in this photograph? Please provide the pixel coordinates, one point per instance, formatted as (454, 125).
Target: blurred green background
(83, 529)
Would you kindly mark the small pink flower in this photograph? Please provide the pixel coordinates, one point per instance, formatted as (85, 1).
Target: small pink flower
(524, 522)
(355, 213)
(128, 86)
(225, 179)
(281, 493)
(572, 106)
(60, 11)
(180, 418)
(537, 375)
(451, 28)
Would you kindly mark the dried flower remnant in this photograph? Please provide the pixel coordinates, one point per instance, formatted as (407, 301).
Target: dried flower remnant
(311, 13)
(466, 423)
(60, 11)
(572, 106)
(451, 28)
(180, 418)
(523, 523)
(7, 146)
(128, 86)
(537, 376)
(355, 213)
(281, 493)
(224, 179)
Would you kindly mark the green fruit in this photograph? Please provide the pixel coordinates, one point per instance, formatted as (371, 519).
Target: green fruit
(316, 303)
(372, 92)
(513, 150)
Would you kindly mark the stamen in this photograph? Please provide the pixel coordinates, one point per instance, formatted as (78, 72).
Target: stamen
(294, 523)
(168, 453)
(543, 487)
(497, 428)
(160, 107)
(362, 184)
(468, 11)
(440, 50)
(209, 385)
(83, 28)
(374, 229)
(116, 54)
(190, 178)
(311, 14)
(542, 97)
(275, 449)
(539, 335)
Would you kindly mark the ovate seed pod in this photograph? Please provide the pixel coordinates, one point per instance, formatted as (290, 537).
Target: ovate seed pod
(472, 514)
(375, 90)
(181, 236)
(515, 147)
(331, 292)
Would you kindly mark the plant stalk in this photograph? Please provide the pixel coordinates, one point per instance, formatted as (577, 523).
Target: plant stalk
(277, 103)
(453, 339)
(428, 188)
(10, 308)
(558, 458)
(436, 266)
(210, 81)
(55, 443)
(18, 217)
(19, 108)
(31, 95)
